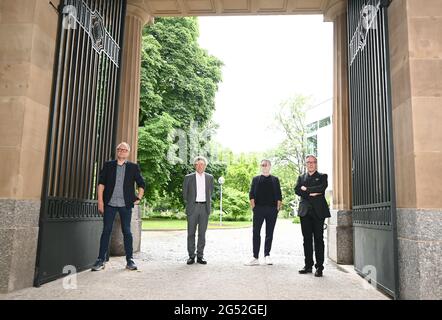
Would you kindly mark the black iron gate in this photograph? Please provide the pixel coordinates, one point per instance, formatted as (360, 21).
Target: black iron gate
(81, 133)
(374, 208)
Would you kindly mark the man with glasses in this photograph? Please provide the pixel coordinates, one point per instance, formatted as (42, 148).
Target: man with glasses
(265, 199)
(116, 193)
(313, 209)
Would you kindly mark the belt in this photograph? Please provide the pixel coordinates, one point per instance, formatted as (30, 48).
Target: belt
(200, 202)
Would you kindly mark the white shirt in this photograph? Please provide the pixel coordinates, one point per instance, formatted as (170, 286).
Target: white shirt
(200, 187)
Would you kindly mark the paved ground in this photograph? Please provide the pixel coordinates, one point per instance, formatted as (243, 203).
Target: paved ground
(163, 273)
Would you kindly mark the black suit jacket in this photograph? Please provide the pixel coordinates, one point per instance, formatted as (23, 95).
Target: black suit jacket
(276, 188)
(132, 174)
(316, 183)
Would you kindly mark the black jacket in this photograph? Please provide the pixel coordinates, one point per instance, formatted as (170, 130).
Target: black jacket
(316, 183)
(132, 174)
(276, 188)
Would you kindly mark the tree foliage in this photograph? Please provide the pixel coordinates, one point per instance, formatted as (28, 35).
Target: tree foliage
(291, 120)
(179, 81)
(177, 75)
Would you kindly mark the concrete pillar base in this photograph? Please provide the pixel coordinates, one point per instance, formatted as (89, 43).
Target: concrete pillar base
(18, 243)
(117, 241)
(340, 237)
(420, 252)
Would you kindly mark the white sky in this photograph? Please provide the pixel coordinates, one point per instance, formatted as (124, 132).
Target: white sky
(267, 59)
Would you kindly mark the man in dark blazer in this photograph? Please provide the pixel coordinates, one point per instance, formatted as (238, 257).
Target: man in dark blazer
(197, 193)
(313, 209)
(116, 193)
(265, 199)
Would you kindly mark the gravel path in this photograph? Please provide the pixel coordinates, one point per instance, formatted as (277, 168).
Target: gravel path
(163, 273)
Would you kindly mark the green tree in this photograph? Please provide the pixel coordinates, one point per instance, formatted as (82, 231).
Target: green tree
(290, 119)
(177, 75)
(179, 81)
(235, 205)
(241, 171)
(154, 141)
(289, 156)
(287, 178)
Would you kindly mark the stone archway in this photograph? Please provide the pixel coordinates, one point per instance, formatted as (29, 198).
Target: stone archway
(141, 12)
(27, 61)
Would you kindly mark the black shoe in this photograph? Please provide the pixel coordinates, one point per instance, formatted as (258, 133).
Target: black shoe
(318, 273)
(131, 265)
(305, 270)
(191, 261)
(98, 265)
(201, 261)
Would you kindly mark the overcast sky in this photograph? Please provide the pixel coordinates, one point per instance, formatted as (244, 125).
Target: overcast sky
(267, 59)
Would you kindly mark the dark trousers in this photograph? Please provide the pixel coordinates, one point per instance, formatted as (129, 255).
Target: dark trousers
(108, 222)
(269, 214)
(313, 230)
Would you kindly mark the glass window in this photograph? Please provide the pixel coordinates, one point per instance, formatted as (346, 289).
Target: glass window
(312, 127)
(324, 122)
(312, 144)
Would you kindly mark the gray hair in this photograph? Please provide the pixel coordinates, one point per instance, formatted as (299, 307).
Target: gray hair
(266, 160)
(311, 156)
(125, 144)
(200, 158)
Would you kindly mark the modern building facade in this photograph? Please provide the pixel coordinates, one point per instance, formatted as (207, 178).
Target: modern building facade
(69, 89)
(320, 137)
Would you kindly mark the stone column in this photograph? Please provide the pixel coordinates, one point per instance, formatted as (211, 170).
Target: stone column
(28, 31)
(415, 29)
(128, 114)
(340, 230)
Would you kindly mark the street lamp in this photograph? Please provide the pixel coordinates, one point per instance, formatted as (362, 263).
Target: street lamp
(221, 181)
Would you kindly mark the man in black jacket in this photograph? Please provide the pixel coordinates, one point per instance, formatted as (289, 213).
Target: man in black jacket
(313, 209)
(116, 193)
(266, 200)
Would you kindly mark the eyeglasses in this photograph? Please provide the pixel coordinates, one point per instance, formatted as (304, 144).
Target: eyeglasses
(264, 165)
(122, 150)
(310, 162)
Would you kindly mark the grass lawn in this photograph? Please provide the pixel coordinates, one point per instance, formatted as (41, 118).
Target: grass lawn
(169, 224)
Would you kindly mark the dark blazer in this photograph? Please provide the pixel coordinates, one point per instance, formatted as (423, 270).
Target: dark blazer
(276, 188)
(316, 183)
(132, 174)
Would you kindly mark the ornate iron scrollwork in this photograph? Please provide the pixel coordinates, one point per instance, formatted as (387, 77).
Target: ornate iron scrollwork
(77, 12)
(97, 32)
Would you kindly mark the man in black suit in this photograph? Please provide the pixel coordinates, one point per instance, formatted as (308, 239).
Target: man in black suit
(116, 193)
(313, 209)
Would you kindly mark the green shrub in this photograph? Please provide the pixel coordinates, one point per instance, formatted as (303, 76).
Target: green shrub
(167, 214)
(228, 217)
(236, 205)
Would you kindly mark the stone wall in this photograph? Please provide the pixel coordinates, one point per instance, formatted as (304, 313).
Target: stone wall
(27, 46)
